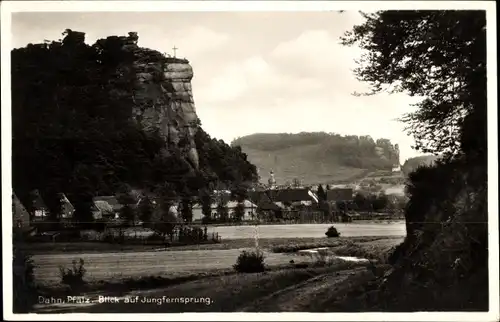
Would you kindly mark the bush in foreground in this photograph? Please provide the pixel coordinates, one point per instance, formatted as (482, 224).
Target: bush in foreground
(250, 262)
(25, 291)
(73, 277)
(332, 232)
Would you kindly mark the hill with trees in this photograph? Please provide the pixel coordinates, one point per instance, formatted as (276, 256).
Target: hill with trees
(73, 128)
(412, 164)
(317, 157)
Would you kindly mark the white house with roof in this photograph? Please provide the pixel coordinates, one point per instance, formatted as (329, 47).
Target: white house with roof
(105, 207)
(249, 210)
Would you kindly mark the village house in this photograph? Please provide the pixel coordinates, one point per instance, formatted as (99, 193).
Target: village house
(294, 198)
(20, 216)
(40, 211)
(340, 195)
(106, 207)
(198, 211)
(67, 209)
(249, 209)
(294, 203)
(266, 208)
(218, 197)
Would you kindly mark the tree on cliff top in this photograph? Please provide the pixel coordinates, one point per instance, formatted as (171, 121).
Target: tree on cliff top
(440, 55)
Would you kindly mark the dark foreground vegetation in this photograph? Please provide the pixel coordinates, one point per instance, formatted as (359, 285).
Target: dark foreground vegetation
(440, 55)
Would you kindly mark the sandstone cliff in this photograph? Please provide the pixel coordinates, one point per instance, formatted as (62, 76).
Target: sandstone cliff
(163, 97)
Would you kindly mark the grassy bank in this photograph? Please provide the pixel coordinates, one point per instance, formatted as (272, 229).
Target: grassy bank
(278, 245)
(293, 290)
(121, 286)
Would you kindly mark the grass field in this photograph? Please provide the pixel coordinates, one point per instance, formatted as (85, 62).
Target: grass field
(206, 272)
(172, 262)
(233, 237)
(397, 228)
(136, 264)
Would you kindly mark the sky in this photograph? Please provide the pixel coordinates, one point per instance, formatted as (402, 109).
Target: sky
(254, 72)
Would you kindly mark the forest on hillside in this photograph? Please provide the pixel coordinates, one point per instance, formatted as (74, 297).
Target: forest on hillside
(72, 130)
(362, 152)
(411, 164)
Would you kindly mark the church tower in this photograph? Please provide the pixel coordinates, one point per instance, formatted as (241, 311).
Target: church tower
(271, 181)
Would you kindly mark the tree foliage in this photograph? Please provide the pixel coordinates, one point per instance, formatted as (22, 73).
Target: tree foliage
(25, 291)
(321, 193)
(437, 55)
(206, 205)
(222, 211)
(440, 56)
(412, 164)
(145, 210)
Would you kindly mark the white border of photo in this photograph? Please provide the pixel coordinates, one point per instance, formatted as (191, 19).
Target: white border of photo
(9, 7)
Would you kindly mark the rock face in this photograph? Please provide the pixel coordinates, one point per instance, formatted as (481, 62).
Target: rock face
(163, 97)
(386, 151)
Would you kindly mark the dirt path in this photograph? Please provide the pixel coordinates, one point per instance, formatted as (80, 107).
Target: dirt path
(306, 296)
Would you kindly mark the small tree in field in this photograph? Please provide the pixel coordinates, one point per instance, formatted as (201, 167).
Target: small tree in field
(222, 211)
(165, 220)
(239, 211)
(146, 209)
(187, 210)
(127, 213)
(206, 208)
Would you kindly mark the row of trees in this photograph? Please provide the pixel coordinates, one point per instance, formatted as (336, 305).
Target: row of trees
(73, 131)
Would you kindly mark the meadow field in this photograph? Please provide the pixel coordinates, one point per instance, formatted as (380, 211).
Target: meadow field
(207, 270)
(207, 275)
(354, 229)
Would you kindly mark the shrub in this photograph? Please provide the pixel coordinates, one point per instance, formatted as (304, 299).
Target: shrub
(73, 277)
(250, 262)
(332, 232)
(24, 292)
